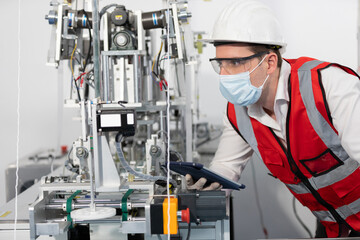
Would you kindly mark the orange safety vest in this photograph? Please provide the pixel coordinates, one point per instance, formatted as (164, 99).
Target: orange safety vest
(314, 166)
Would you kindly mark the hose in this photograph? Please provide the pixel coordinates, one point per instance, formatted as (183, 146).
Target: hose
(299, 219)
(104, 9)
(125, 164)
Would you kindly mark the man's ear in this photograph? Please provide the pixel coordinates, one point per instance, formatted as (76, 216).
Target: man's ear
(272, 62)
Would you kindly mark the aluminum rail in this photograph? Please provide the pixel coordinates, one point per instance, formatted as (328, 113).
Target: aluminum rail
(59, 206)
(96, 46)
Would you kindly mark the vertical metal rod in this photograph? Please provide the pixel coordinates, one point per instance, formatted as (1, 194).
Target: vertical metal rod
(60, 105)
(136, 78)
(105, 64)
(92, 184)
(96, 46)
(92, 158)
(97, 79)
(83, 119)
(141, 61)
(149, 130)
(111, 77)
(162, 124)
(189, 113)
(149, 85)
(95, 176)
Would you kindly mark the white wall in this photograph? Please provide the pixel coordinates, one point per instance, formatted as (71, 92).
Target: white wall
(324, 29)
(39, 118)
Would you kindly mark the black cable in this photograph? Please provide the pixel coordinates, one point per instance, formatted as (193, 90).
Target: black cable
(88, 83)
(177, 154)
(89, 50)
(104, 9)
(121, 103)
(208, 139)
(189, 230)
(69, 163)
(118, 137)
(77, 90)
(157, 61)
(155, 74)
(299, 219)
(86, 90)
(90, 74)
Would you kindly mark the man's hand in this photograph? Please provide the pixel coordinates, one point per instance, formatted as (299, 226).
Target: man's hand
(199, 185)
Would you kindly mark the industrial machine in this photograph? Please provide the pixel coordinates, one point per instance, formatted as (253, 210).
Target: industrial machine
(133, 79)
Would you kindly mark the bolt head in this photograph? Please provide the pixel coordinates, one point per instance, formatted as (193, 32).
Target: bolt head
(154, 149)
(80, 151)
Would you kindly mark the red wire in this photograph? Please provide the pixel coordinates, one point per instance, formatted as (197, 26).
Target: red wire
(82, 81)
(80, 76)
(162, 83)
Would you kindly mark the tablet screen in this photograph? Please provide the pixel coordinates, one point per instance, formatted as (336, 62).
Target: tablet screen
(197, 171)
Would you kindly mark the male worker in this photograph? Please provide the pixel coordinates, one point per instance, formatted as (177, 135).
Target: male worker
(300, 116)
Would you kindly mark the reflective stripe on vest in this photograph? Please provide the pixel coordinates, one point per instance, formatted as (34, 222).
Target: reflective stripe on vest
(346, 168)
(327, 179)
(325, 132)
(245, 128)
(321, 126)
(344, 211)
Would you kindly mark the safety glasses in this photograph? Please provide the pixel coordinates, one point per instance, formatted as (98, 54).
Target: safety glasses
(233, 65)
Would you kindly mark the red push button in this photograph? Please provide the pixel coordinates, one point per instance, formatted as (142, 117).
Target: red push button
(185, 215)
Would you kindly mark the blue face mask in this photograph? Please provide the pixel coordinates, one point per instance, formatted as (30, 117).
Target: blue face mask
(238, 90)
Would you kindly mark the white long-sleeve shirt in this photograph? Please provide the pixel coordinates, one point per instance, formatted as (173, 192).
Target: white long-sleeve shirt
(342, 92)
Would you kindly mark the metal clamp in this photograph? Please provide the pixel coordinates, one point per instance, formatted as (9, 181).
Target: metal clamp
(69, 205)
(124, 207)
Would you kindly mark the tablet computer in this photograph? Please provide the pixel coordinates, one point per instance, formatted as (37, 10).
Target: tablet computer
(197, 171)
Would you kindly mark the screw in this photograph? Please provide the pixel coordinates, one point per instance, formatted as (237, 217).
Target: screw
(80, 151)
(154, 149)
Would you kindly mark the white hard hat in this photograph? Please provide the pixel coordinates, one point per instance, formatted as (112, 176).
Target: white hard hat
(247, 21)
